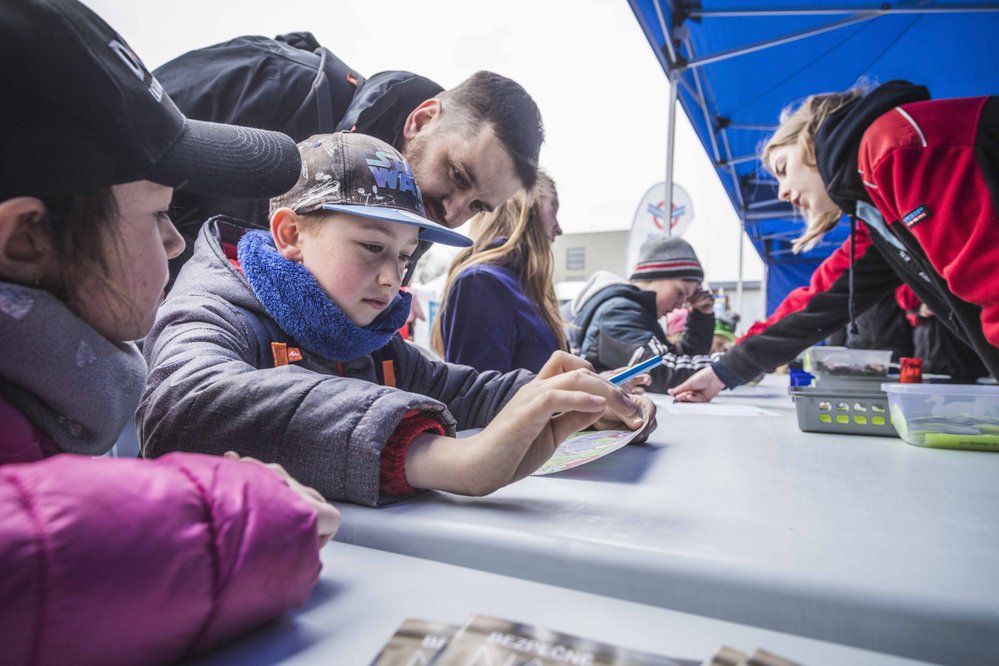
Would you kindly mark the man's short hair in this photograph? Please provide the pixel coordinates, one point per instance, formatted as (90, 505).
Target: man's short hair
(502, 102)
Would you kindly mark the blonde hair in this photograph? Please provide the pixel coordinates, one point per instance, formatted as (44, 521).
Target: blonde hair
(527, 251)
(800, 126)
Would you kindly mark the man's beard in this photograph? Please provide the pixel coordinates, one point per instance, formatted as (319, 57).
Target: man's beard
(416, 151)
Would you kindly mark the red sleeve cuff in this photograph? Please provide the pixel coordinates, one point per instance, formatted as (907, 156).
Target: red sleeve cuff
(392, 475)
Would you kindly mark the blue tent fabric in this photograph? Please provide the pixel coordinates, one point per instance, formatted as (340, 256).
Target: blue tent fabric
(789, 277)
(734, 103)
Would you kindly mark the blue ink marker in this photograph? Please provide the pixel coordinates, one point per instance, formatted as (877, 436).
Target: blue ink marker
(624, 376)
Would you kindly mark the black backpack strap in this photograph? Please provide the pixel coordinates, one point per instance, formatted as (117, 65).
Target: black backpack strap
(332, 88)
(266, 331)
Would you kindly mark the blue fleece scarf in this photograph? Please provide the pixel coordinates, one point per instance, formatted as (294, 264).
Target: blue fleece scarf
(303, 310)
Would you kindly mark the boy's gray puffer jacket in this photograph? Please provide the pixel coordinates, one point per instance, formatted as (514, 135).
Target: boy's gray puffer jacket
(206, 394)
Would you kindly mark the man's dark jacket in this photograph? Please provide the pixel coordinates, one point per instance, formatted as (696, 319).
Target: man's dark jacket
(289, 84)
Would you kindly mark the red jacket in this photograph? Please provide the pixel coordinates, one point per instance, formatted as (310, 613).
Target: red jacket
(920, 165)
(909, 302)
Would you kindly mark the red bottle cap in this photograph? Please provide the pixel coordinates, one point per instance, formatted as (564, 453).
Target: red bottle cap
(912, 371)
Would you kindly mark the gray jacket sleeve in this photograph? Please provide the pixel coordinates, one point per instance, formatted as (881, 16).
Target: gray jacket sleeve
(205, 394)
(473, 398)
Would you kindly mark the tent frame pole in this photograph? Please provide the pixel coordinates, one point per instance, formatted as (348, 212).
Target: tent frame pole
(674, 88)
(740, 293)
(777, 41)
(879, 9)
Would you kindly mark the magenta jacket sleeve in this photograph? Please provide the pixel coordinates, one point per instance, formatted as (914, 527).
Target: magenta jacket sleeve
(110, 561)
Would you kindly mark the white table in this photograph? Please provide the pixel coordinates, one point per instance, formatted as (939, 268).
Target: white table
(864, 541)
(364, 595)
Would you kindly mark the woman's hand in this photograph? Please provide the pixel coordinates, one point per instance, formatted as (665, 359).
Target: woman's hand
(564, 397)
(699, 387)
(328, 516)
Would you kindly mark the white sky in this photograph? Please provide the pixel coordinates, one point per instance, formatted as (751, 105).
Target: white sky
(587, 64)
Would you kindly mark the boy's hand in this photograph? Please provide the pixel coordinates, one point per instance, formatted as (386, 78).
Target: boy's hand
(328, 516)
(564, 397)
(702, 300)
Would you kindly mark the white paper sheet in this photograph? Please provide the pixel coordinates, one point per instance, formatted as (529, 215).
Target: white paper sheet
(667, 406)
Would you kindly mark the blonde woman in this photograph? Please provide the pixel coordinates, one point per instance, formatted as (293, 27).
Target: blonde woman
(499, 310)
(919, 180)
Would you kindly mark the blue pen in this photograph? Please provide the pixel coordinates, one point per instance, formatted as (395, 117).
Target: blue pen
(624, 376)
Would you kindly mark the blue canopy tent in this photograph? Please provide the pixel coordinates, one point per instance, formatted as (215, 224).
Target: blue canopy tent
(734, 65)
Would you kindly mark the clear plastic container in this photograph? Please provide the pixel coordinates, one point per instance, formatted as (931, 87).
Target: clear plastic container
(843, 362)
(946, 416)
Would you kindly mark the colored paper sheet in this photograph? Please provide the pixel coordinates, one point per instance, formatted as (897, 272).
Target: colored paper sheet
(584, 447)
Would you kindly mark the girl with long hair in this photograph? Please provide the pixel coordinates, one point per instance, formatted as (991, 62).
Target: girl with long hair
(499, 310)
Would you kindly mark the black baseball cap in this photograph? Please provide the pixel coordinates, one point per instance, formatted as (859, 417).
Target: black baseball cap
(80, 111)
(362, 175)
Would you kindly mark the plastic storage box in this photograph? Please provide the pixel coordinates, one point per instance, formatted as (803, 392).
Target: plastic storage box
(843, 411)
(949, 416)
(848, 369)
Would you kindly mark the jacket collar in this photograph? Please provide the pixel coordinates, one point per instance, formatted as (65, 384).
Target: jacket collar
(301, 308)
(837, 144)
(384, 101)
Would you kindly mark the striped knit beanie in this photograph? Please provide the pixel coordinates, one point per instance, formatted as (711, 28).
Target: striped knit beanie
(667, 257)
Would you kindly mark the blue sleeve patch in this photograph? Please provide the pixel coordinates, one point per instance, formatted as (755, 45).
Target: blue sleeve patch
(915, 217)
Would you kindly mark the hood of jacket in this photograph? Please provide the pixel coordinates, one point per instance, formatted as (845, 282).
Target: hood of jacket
(211, 265)
(838, 140)
(384, 101)
(601, 287)
(597, 282)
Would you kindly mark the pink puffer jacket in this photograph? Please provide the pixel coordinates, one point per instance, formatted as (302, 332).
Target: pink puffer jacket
(112, 561)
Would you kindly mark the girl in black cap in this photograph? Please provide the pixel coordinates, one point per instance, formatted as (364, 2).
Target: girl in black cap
(117, 561)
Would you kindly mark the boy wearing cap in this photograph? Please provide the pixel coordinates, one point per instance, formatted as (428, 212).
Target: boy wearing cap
(616, 322)
(350, 407)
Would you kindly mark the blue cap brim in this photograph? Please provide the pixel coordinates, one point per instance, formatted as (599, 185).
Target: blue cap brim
(429, 231)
